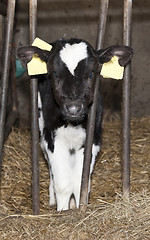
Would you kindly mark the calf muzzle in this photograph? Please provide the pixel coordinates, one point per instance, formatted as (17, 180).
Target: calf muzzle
(73, 111)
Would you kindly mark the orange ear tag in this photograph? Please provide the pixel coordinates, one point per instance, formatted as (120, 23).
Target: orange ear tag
(36, 66)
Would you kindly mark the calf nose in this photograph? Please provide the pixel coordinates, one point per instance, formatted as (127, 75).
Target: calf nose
(74, 109)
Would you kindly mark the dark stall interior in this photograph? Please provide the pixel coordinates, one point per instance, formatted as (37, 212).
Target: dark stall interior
(61, 19)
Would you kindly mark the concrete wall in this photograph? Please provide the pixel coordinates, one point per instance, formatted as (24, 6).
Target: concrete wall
(71, 18)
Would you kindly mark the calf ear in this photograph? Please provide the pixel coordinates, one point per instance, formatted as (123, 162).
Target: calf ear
(123, 53)
(26, 53)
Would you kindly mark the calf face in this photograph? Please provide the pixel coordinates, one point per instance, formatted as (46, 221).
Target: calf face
(65, 96)
(73, 71)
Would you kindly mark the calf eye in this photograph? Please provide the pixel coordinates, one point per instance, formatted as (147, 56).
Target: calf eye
(55, 74)
(91, 74)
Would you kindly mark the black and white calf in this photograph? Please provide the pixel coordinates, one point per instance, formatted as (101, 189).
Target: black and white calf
(65, 96)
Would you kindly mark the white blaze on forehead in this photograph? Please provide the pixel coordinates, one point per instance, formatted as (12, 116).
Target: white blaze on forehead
(71, 55)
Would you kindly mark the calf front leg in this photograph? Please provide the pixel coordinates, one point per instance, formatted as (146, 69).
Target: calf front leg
(63, 199)
(58, 195)
(61, 177)
(78, 171)
(52, 197)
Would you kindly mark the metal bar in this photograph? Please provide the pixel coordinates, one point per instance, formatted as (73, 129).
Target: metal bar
(127, 21)
(34, 117)
(102, 23)
(2, 22)
(92, 113)
(6, 67)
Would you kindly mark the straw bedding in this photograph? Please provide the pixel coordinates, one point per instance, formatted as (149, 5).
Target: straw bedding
(107, 216)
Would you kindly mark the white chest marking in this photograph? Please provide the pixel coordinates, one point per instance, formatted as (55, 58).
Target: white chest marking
(71, 137)
(71, 55)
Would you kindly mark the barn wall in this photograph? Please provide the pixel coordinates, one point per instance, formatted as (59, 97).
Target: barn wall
(78, 18)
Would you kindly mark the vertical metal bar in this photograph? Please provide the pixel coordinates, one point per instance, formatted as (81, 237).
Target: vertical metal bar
(34, 117)
(92, 113)
(2, 21)
(126, 101)
(5, 73)
(102, 23)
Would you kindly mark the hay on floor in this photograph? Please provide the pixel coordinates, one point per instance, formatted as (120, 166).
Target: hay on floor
(107, 216)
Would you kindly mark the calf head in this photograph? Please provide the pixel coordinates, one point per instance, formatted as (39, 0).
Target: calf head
(73, 67)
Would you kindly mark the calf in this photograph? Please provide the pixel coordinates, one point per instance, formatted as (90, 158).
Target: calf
(64, 98)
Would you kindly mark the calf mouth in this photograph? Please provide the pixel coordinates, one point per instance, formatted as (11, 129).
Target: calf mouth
(73, 120)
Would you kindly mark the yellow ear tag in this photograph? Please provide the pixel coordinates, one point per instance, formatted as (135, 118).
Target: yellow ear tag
(36, 65)
(112, 69)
